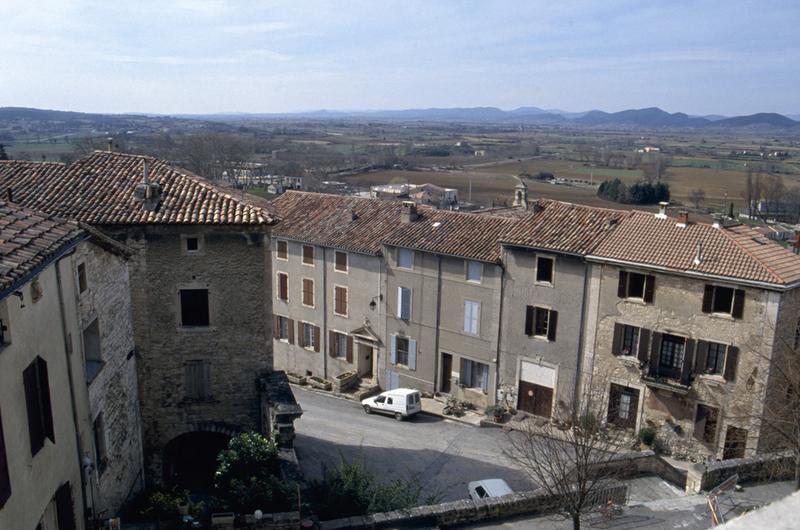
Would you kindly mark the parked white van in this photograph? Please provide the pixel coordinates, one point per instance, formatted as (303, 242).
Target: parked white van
(400, 402)
(490, 487)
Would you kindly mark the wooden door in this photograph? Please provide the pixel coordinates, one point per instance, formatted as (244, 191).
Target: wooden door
(447, 372)
(735, 443)
(536, 399)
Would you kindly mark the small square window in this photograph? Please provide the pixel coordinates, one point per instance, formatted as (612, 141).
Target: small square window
(192, 244)
(474, 271)
(405, 258)
(340, 261)
(544, 270)
(282, 249)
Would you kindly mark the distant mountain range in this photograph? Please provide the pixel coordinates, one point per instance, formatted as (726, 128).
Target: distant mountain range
(648, 118)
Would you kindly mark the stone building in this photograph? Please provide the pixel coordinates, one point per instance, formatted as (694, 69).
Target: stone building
(201, 296)
(685, 320)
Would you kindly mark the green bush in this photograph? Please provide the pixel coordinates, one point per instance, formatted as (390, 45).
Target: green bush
(647, 435)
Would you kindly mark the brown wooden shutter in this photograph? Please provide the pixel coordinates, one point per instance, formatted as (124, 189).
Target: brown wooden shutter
(616, 342)
(649, 289)
(688, 362)
(631, 421)
(344, 301)
(708, 297)
(738, 303)
(301, 340)
(613, 404)
(349, 349)
(529, 314)
(35, 427)
(331, 344)
(64, 511)
(316, 338)
(283, 286)
(5, 480)
(290, 325)
(701, 357)
(731, 359)
(552, 324)
(644, 345)
(47, 410)
(655, 352)
(276, 327)
(622, 287)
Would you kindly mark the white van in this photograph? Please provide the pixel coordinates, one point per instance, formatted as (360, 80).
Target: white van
(490, 487)
(400, 402)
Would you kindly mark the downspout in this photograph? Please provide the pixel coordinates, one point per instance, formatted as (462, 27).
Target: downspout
(67, 354)
(579, 363)
(499, 332)
(324, 335)
(436, 355)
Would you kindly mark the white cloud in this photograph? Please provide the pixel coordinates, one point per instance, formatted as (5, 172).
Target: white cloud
(256, 27)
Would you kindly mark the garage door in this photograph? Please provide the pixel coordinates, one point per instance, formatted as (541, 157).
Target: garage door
(536, 389)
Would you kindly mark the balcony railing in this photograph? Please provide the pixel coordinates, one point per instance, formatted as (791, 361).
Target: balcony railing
(670, 379)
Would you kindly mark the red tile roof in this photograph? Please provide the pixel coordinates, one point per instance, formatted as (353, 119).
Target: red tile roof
(99, 190)
(29, 240)
(736, 252)
(350, 223)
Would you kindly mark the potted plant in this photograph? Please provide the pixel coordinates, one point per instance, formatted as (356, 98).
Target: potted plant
(498, 412)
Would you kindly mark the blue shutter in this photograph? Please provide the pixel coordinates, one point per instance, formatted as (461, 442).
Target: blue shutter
(467, 316)
(485, 378)
(466, 372)
(412, 354)
(393, 350)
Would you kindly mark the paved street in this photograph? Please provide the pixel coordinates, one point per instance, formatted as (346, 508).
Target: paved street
(444, 455)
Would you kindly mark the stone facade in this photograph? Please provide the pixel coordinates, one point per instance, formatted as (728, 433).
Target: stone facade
(104, 303)
(198, 377)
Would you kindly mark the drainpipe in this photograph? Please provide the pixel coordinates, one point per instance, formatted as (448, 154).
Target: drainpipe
(323, 338)
(499, 333)
(436, 354)
(74, 408)
(579, 364)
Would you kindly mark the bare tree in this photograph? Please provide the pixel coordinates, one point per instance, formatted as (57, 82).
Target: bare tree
(574, 456)
(697, 196)
(657, 168)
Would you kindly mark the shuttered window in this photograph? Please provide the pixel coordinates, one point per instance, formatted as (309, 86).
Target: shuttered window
(403, 350)
(723, 301)
(475, 375)
(64, 508)
(283, 286)
(308, 336)
(472, 317)
(541, 322)
(308, 255)
(308, 292)
(637, 286)
(194, 307)
(282, 249)
(340, 261)
(340, 345)
(404, 303)
(5, 479)
(37, 400)
(198, 380)
(623, 406)
(340, 300)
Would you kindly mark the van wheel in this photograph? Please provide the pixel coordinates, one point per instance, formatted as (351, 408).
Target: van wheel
(398, 416)
(367, 409)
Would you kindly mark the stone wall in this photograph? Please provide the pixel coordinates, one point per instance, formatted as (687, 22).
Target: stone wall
(704, 477)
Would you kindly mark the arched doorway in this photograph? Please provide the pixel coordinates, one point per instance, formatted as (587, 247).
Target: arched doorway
(190, 460)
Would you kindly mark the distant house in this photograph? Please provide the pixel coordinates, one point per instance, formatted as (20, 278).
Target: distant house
(431, 194)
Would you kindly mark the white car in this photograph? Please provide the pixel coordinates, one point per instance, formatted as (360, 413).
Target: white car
(400, 403)
(490, 487)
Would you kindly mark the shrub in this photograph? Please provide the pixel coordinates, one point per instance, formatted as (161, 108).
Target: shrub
(647, 435)
(642, 192)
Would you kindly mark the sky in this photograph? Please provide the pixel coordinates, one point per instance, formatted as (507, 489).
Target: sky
(203, 56)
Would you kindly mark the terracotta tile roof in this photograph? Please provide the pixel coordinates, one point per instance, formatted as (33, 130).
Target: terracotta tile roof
(561, 226)
(453, 233)
(99, 190)
(737, 252)
(351, 223)
(29, 240)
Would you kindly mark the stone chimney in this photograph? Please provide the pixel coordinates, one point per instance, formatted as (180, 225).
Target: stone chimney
(683, 219)
(148, 193)
(662, 210)
(408, 214)
(521, 195)
(698, 257)
(110, 144)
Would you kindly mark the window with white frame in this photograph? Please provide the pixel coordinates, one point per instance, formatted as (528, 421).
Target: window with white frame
(544, 269)
(308, 335)
(404, 303)
(405, 258)
(282, 247)
(403, 351)
(472, 317)
(474, 271)
(283, 329)
(340, 261)
(474, 375)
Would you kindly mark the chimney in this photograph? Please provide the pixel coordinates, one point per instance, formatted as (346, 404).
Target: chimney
(110, 143)
(148, 193)
(717, 220)
(662, 210)
(683, 219)
(521, 195)
(698, 257)
(408, 214)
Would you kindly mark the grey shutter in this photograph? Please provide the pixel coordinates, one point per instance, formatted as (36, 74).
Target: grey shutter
(655, 352)
(34, 407)
(552, 325)
(738, 303)
(529, 311)
(485, 378)
(466, 372)
(649, 289)
(467, 316)
(643, 350)
(616, 342)
(412, 354)
(205, 371)
(393, 350)
(708, 298)
(47, 410)
(731, 359)
(688, 362)
(622, 286)
(701, 357)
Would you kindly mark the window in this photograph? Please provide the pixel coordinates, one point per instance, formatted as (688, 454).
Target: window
(198, 380)
(282, 249)
(5, 334)
(403, 351)
(308, 255)
(404, 303)
(92, 352)
(341, 346)
(194, 307)
(283, 286)
(340, 261)
(405, 258)
(100, 451)
(308, 292)
(705, 424)
(623, 404)
(717, 359)
(541, 322)
(283, 329)
(192, 244)
(5, 480)
(475, 375)
(472, 317)
(715, 362)
(636, 286)
(474, 271)
(723, 300)
(64, 503)
(340, 300)
(670, 361)
(630, 340)
(37, 401)
(544, 270)
(309, 336)
(36, 290)
(82, 277)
